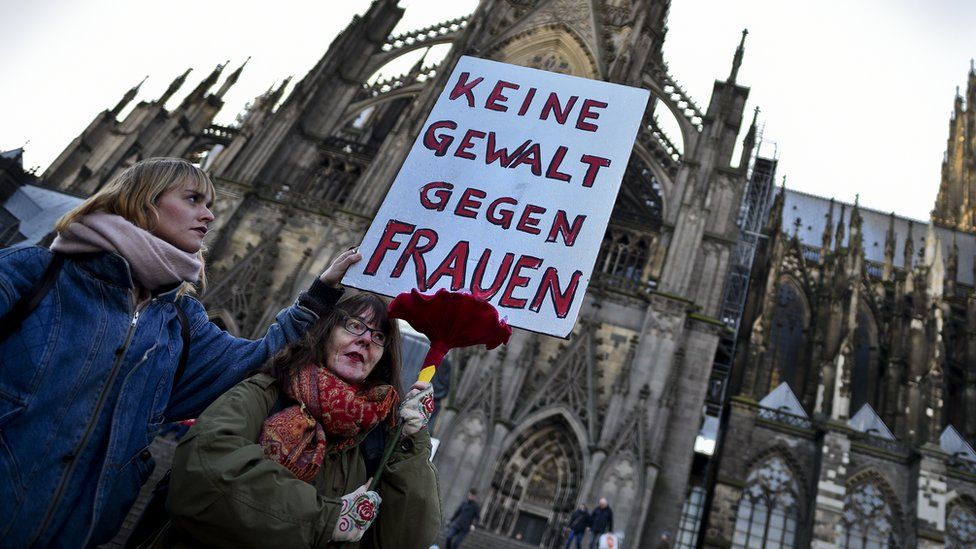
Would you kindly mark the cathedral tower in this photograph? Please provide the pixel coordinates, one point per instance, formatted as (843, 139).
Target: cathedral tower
(955, 205)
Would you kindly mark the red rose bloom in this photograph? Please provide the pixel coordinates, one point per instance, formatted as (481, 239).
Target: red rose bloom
(366, 509)
(428, 403)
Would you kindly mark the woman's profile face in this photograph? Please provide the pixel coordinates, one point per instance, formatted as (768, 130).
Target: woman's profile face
(184, 217)
(349, 356)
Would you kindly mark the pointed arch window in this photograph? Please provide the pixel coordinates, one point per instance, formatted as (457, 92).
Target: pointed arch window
(961, 527)
(786, 336)
(767, 513)
(691, 513)
(865, 370)
(869, 522)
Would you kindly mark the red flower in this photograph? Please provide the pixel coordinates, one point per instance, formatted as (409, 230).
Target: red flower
(451, 319)
(366, 509)
(428, 403)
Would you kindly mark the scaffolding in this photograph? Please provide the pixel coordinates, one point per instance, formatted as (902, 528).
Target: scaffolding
(756, 201)
(753, 212)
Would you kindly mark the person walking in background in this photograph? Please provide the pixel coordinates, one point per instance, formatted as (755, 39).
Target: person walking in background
(464, 520)
(601, 522)
(578, 522)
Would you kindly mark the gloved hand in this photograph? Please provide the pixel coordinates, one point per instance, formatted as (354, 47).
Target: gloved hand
(417, 407)
(359, 510)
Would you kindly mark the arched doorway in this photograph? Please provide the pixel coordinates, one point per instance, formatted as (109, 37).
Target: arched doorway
(537, 483)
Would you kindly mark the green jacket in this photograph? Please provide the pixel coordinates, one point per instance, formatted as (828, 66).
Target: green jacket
(223, 492)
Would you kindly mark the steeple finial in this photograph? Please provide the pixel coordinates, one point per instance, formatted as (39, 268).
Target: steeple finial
(205, 84)
(128, 97)
(276, 96)
(749, 143)
(952, 267)
(737, 59)
(825, 239)
(839, 234)
(889, 249)
(175, 85)
(909, 252)
(419, 65)
(232, 79)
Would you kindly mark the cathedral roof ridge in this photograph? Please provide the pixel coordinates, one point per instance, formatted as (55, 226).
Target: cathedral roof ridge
(860, 206)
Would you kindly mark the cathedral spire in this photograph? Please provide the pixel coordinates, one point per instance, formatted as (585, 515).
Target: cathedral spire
(419, 65)
(825, 239)
(936, 265)
(749, 143)
(931, 244)
(909, 253)
(175, 85)
(971, 87)
(276, 96)
(775, 223)
(955, 205)
(128, 97)
(855, 226)
(889, 251)
(952, 267)
(232, 79)
(737, 58)
(839, 234)
(205, 85)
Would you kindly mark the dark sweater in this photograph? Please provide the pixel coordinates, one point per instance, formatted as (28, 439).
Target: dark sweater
(467, 514)
(601, 520)
(578, 521)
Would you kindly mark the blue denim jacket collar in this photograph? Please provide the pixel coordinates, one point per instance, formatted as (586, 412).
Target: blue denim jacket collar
(111, 268)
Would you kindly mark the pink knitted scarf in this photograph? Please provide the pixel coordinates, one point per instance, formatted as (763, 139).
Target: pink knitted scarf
(154, 262)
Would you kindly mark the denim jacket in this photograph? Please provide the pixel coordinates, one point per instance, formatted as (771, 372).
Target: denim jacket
(86, 383)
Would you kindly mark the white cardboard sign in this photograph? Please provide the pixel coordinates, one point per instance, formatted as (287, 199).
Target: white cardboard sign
(506, 192)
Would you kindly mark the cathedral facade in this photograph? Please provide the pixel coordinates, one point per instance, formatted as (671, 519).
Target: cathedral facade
(855, 364)
(854, 405)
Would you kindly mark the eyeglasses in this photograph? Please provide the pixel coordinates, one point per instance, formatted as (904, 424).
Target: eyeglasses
(357, 327)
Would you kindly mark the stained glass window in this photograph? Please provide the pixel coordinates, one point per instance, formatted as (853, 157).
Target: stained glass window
(786, 337)
(767, 512)
(690, 519)
(868, 520)
(861, 382)
(961, 527)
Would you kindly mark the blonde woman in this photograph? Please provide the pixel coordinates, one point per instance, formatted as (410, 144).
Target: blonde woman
(88, 377)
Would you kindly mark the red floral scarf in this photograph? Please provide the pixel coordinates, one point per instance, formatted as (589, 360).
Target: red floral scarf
(328, 417)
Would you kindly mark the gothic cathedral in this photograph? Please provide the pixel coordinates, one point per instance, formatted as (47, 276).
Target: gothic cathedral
(853, 390)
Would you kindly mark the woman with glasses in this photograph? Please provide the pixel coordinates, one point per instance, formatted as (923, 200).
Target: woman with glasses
(285, 458)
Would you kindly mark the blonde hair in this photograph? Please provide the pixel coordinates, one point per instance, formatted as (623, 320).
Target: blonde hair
(133, 194)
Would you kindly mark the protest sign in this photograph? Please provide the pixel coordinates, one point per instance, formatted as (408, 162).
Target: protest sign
(506, 192)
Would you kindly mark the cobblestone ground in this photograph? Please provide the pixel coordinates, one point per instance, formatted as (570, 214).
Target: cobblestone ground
(162, 450)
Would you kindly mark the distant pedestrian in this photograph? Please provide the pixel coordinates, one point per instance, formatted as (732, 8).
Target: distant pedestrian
(578, 522)
(665, 542)
(601, 522)
(465, 520)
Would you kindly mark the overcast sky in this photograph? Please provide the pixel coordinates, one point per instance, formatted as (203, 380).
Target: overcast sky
(855, 94)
